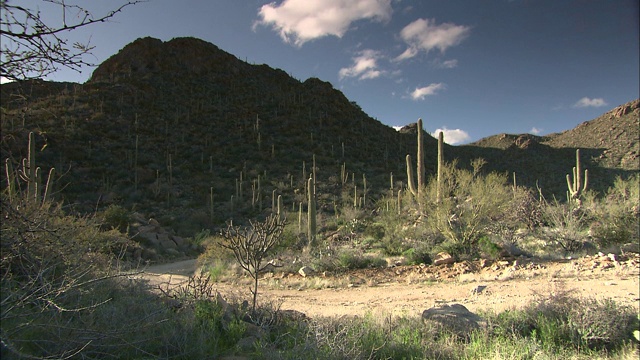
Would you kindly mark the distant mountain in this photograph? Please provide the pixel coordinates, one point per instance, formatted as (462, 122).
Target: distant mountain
(161, 126)
(614, 137)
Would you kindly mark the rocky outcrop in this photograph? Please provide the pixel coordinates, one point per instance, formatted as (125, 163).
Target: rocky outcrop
(156, 240)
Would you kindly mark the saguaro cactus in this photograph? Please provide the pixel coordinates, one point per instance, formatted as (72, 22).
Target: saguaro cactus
(420, 166)
(31, 175)
(410, 183)
(416, 191)
(311, 213)
(576, 187)
(440, 167)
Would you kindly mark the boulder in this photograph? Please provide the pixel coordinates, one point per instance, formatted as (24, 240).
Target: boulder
(179, 241)
(443, 258)
(455, 318)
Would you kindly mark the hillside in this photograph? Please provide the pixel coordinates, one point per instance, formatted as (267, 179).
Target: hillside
(161, 126)
(609, 147)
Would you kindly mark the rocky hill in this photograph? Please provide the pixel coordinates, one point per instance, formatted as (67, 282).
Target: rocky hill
(609, 146)
(161, 127)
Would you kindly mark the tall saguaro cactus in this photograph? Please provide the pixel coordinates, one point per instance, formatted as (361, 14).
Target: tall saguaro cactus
(311, 213)
(420, 166)
(440, 167)
(576, 187)
(410, 183)
(416, 189)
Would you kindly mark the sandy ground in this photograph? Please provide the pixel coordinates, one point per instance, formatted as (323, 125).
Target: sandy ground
(411, 289)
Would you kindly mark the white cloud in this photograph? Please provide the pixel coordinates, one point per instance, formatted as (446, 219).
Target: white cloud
(453, 136)
(586, 102)
(425, 34)
(421, 93)
(364, 66)
(299, 21)
(535, 131)
(447, 64)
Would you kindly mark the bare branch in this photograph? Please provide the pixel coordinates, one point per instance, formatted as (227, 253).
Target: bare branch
(33, 49)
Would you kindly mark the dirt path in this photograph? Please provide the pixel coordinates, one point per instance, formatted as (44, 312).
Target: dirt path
(412, 289)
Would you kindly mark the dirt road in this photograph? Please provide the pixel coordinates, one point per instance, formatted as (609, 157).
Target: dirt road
(412, 289)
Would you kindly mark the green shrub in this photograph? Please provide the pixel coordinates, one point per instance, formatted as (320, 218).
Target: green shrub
(488, 249)
(350, 260)
(417, 256)
(601, 324)
(470, 204)
(116, 217)
(617, 216)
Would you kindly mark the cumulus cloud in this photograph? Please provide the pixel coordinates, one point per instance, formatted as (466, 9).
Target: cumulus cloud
(586, 102)
(299, 21)
(535, 131)
(425, 34)
(364, 66)
(452, 136)
(421, 93)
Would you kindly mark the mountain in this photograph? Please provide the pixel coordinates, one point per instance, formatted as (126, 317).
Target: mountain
(161, 126)
(609, 147)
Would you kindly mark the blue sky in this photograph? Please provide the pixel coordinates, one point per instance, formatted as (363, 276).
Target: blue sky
(472, 68)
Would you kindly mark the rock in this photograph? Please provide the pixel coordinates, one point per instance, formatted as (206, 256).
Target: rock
(178, 240)
(483, 263)
(166, 242)
(613, 257)
(153, 222)
(631, 248)
(443, 258)
(455, 318)
(305, 271)
(478, 289)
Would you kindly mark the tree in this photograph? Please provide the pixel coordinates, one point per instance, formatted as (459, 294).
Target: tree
(33, 49)
(250, 245)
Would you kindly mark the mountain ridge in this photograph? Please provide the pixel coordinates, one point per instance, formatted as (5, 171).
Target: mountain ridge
(162, 125)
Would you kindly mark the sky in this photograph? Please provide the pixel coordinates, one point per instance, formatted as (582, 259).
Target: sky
(470, 68)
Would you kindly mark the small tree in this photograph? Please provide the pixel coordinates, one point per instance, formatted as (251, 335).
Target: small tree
(251, 245)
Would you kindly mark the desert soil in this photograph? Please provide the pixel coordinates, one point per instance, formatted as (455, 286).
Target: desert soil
(406, 290)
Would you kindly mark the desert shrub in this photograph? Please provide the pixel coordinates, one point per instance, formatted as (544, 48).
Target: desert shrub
(350, 260)
(417, 255)
(566, 225)
(116, 217)
(471, 202)
(561, 321)
(601, 324)
(617, 216)
(61, 295)
(374, 230)
(488, 249)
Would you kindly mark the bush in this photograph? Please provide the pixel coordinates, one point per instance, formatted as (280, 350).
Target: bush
(617, 216)
(417, 256)
(116, 217)
(350, 260)
(470, 204)
(567, 225)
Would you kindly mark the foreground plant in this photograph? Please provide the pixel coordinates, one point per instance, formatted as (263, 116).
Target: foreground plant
(251, 245)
